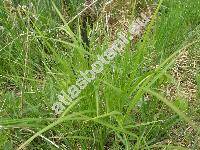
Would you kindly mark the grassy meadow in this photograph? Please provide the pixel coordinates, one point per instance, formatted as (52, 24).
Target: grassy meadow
(148, 97)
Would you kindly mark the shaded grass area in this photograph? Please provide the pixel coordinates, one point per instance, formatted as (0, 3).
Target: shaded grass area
(124, 108)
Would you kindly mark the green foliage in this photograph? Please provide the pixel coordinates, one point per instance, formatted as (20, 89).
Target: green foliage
(124, 108)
